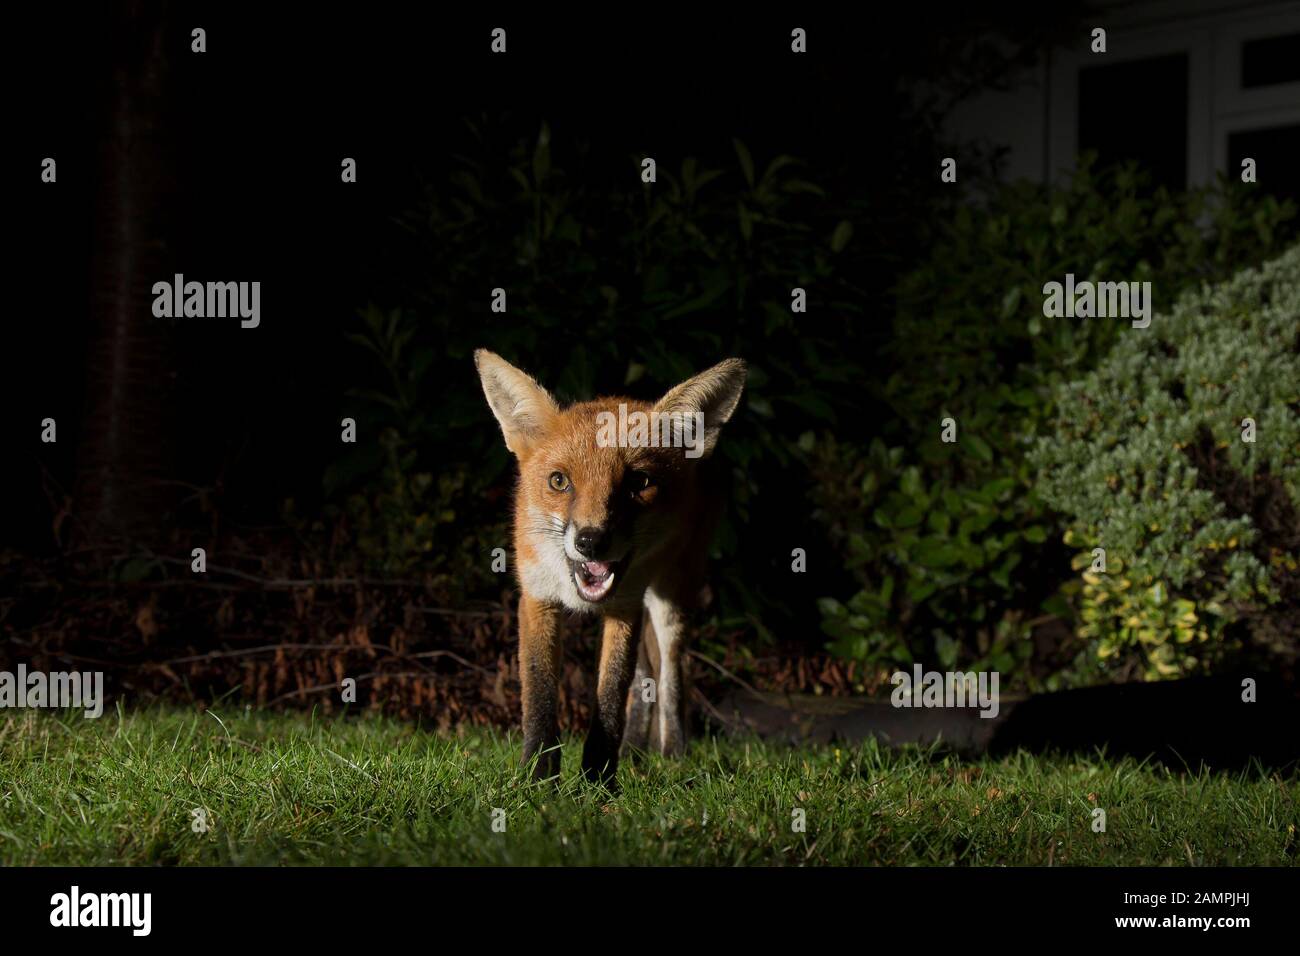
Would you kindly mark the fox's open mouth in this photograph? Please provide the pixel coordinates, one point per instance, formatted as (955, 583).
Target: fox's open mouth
(595, 579)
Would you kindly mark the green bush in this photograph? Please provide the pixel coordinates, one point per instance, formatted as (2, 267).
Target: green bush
(930, 559)
(1149, 460)
(950, 544)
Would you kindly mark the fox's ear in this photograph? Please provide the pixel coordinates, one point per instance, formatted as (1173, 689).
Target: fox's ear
(522, 407)
(713, 394)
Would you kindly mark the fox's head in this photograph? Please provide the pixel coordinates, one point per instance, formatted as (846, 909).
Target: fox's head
(605, 486)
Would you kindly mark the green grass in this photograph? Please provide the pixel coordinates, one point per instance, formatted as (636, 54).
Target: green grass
(301, 790)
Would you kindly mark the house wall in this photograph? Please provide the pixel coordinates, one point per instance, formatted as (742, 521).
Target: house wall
(1039, 120)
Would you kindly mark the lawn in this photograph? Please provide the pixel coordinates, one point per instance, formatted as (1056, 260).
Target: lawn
(303, 789)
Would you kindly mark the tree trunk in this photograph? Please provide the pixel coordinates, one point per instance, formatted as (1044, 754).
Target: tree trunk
(124, 451)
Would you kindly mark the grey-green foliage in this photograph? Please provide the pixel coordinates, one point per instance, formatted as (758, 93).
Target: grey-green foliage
(1148, 461)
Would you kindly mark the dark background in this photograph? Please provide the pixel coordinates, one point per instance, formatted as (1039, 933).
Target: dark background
(254, 130)
(225, 166)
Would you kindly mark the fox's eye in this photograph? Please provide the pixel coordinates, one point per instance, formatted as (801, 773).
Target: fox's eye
(559, 481)
(638, 481)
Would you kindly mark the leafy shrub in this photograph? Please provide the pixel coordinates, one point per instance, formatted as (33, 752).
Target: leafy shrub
(931, 547)
(1148, 459)
(949, 542)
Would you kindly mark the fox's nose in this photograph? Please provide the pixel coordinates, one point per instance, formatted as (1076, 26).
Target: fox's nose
(590, 542)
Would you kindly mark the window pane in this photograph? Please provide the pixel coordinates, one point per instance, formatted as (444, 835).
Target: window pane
(1270, 61)
(1138, 111)
(1276, 152)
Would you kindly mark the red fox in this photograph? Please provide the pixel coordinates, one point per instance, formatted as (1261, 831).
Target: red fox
(613, 517)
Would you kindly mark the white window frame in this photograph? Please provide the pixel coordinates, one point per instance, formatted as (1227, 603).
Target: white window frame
(1217, 105)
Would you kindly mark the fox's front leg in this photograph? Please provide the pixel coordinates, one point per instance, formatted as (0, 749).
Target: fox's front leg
(540, 663)
(640, 701)
(617, 663)
(668, 620)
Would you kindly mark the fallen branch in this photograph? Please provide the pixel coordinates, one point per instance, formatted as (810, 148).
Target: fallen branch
(267, 648)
